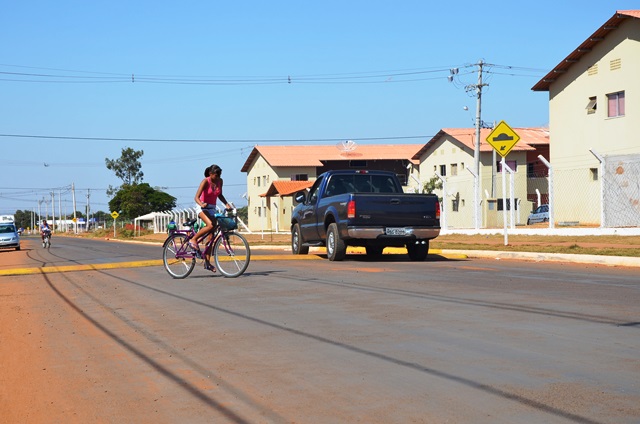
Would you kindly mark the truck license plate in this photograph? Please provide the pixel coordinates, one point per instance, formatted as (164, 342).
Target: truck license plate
(390, 231)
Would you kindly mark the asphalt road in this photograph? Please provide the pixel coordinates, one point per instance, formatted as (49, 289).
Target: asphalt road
(305, 340)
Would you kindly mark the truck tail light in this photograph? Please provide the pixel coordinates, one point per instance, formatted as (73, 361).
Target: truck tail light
(351, 209)
(437, 210)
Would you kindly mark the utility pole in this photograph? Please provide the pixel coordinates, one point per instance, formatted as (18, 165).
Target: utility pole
(476, 153)
(53, 212)
(73, 195)
(62, 226)
(87, 219)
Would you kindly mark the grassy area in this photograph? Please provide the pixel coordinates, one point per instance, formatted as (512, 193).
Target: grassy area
(584, 245)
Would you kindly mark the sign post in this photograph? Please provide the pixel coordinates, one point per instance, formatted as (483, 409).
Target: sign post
(502, 139)
(114, 215)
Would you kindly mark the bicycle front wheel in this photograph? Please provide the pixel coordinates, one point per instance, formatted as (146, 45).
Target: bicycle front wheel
(176, 258)
(231, 254)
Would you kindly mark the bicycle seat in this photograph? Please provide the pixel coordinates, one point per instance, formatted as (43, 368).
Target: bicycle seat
(190, 222)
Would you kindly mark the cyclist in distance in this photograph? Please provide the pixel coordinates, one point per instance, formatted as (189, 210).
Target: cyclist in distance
(208, 193)
(44, 227)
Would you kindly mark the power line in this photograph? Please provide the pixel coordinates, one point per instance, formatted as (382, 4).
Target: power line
(66, 76)
(228, 140)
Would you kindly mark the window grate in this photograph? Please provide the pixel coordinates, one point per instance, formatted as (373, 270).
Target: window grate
(615, 64)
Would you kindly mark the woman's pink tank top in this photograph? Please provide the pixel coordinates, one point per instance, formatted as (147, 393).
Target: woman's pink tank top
(210, 193)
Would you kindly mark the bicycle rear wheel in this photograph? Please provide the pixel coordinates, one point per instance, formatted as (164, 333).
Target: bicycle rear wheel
(175, 257)
(231, 254)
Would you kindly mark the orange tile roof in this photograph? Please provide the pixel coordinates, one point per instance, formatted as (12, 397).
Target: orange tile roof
(528, 137)
(286, 188)
(586, 47)
(303, 156)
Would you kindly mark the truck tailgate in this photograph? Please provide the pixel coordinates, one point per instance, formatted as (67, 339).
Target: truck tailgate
(395, 210)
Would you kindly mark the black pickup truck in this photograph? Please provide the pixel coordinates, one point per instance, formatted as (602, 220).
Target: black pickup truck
(363, 208)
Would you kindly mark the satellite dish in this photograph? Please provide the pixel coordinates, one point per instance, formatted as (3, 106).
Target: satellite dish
(347, 146)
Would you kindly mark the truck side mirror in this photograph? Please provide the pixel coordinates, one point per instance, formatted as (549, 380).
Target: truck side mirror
(300, 197)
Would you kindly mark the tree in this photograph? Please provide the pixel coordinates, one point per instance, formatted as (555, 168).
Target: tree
(78, 215)
(139, 199)
(22, 219)
(433, 184)
(128, 167)
(101, 215)
(243, 214)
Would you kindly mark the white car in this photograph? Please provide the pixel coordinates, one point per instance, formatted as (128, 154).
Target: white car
(9, 237)
(540, 214)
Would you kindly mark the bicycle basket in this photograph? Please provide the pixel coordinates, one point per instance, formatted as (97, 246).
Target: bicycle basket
(226, 223)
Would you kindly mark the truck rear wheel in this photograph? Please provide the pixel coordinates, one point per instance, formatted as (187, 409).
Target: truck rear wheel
(296, 241)
(418, 252)
(336, 249)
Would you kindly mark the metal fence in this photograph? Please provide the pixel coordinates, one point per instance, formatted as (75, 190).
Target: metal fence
(606, 195)
(621, 191)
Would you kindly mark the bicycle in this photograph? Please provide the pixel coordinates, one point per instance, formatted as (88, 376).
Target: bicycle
(230, 250)
(46, 241)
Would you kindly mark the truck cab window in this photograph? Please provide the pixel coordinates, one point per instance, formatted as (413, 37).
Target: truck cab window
(313, 193)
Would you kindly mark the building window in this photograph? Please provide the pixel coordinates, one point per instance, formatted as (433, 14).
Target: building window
(454, 169)
(455, 204)
(501, 204)
(461, 166)
(510, 163)
(594, 174)
(616, 104)
(300, 177)
(592, 105)
(443, 170)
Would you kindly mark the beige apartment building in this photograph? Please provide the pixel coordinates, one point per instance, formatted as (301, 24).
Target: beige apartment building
(594, 124)
(275, 173)
(449, 156)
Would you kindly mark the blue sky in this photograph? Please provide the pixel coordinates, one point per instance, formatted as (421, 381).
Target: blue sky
(201, 82)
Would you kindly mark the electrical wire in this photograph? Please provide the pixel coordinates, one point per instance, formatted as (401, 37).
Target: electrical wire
(370, 77)
(174, 140)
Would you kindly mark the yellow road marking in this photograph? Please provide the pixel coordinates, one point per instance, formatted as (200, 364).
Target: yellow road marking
(158, 262)
(135, 264)
(88, 267)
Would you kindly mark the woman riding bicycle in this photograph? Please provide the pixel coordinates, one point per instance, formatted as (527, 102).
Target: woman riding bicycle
(228, 248)
(208, 193)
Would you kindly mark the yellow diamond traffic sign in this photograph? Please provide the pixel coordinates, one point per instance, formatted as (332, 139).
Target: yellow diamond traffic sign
(114, 214)
(503, 138)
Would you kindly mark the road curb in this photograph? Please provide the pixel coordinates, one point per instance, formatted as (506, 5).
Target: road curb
(550, 257)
